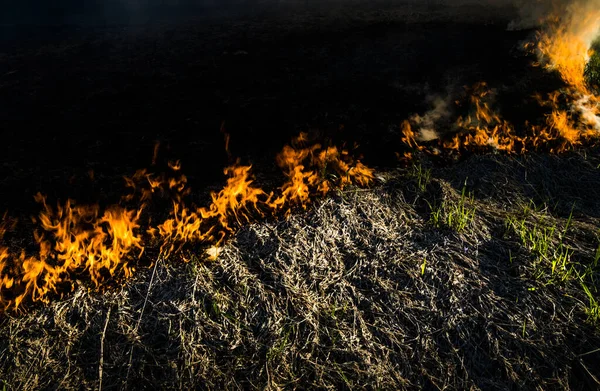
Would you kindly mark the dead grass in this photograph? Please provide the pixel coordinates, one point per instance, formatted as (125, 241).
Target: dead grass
(362, 291)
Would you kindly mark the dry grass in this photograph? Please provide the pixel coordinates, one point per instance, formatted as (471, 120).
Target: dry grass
(362, 291)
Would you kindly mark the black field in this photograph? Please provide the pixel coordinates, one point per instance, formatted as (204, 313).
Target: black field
(363, 290)
(80, 99)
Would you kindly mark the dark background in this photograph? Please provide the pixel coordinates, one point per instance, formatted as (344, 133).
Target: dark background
(142, 11)
(92, 87)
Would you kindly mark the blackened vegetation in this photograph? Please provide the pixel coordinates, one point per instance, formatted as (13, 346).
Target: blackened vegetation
(362, 290)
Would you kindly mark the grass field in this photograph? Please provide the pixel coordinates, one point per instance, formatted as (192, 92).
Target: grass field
(468, 267)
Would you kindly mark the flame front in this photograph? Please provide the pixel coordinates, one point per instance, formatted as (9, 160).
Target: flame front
(314, 170)
(90, 243)
(305, 167)
(86, 242)
(564, 45)
(234, 205)
(6, 275)
(72, 240)
(485, 128)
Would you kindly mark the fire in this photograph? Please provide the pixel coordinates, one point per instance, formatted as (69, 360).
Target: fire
(86, 242)
(409, 137)
(238, 201)
(314, 170)
(144, 185)
(89, 243)
(6, 280)
(564, 45)
(299, 180)
(73, 240)
(484, 129)
(305, 167)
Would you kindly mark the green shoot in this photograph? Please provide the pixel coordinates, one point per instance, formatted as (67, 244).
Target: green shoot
(593, 309)
(456, 215)
(547, 246)
(422, 175)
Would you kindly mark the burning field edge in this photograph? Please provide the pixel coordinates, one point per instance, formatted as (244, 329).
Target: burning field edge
(467, 277)
(481, 274)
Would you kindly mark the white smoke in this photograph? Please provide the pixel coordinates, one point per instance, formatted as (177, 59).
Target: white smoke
(428, 123)
(533, 13)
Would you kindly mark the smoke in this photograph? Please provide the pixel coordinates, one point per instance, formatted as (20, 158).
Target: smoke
(427, 123)
(533, 13)
(583, 20)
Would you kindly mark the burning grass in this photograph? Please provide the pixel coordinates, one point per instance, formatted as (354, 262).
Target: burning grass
(361, 290)
(428, 280)
(82, 240)
(563, 44)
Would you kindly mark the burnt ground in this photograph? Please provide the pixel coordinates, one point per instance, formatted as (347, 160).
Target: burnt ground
(98, 99)
(362, 290)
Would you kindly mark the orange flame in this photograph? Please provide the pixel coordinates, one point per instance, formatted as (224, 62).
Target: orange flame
(86, 242)
(564, 45)
(74, 240)
(144, 185)
(240, 201)
(6, 280)
(314, 170)
(409, 137)
(484, 128)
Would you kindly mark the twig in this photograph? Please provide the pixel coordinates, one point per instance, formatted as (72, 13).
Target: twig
(589, 373)
(590, 352)
(100, 369)
(137, 326)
